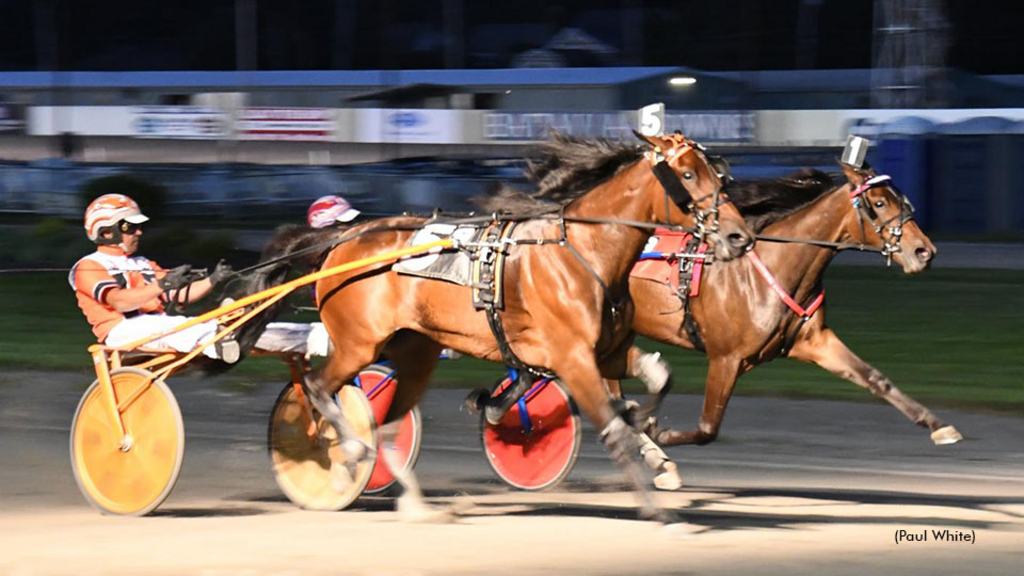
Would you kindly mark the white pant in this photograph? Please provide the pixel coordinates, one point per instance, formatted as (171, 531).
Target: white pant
(308, 339)
(132, 329)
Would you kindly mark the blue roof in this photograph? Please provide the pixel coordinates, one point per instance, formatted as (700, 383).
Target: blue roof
(496, 77)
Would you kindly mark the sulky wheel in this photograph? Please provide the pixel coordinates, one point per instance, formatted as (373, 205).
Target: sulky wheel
(537, 442)
(378, 383)
(303, 446)
(128, 475)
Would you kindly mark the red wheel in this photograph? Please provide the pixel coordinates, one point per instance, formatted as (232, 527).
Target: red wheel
(537, 442)
(379, 384)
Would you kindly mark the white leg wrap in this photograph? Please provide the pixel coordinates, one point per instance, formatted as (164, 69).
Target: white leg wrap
(653, 371)
(667, 474)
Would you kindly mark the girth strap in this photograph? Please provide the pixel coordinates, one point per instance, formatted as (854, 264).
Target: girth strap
(488, 289)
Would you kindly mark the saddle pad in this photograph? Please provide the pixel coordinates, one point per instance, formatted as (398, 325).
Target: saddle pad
(451, 266)
(664, 269)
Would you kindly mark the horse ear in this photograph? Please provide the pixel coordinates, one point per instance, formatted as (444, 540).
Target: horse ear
(854, 176)
(652, 140)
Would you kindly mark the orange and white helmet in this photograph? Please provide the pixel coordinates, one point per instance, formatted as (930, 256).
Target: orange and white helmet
(327, 210)
(108, 210)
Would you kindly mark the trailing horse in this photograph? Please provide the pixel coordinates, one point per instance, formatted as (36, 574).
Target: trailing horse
(754, 309)
(564, 308)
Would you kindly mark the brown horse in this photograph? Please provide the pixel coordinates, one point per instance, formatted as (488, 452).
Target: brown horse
(566, 304)
(743, 322)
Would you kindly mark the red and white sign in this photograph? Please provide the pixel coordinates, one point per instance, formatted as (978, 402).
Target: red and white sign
(306, 124)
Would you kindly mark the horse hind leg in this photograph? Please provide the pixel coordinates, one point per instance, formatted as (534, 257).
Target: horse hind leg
(320, 388)
(656, 374)
(414, 357)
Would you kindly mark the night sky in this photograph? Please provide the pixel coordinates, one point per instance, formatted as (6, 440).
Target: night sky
(984, 36)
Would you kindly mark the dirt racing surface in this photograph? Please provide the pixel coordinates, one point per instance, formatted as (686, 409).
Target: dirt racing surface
(791, 486)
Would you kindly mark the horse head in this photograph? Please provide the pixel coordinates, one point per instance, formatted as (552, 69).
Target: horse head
(885, 219)
(696, 185)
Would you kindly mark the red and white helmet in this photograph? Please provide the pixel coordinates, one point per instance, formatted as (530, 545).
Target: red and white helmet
(108, 210)
(327, 210)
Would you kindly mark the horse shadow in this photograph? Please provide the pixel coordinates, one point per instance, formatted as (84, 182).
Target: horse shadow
(705, 510)
(212, 512)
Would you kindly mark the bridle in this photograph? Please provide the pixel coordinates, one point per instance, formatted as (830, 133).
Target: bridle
(890, 241)
(890, 234)
(706, 221)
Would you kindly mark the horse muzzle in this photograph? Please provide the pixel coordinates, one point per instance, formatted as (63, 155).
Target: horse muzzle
(731, 240)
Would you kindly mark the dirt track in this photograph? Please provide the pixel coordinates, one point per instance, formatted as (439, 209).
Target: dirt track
(785, 490)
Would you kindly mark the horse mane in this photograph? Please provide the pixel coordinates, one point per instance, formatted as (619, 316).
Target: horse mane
(569, 167)
(563, 169)
(762, 202)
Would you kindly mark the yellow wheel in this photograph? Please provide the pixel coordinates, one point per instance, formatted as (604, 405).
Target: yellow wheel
(132, 475)
(302, 450)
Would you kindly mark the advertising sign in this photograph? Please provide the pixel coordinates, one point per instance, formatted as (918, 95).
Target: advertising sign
(305, 124)
(12, 118)
(704, 126)
(187, 122)
(421, 126)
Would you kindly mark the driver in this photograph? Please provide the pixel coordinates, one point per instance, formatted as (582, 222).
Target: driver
(123, 295)
(309, 339)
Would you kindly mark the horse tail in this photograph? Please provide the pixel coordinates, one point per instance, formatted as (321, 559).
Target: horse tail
(295, 248)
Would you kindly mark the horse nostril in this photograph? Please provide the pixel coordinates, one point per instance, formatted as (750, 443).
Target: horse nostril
(738, 239)
(923, 254)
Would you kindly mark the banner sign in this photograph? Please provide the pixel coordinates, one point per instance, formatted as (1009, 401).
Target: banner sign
(12, 118)
(703, 127)
(307, 124)
(188, 122)
(421, 126)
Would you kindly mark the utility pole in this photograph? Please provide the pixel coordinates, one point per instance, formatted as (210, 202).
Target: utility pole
(807, 34)
(454, 34)
(908, 53)
(246, 53)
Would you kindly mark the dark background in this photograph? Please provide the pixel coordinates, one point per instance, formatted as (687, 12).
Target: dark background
(983, 35)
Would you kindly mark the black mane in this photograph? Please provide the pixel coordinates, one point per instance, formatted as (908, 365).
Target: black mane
(762, 202)
(569, 167)
(564, 168)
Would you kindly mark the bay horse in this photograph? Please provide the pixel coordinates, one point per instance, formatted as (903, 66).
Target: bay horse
(742, 321)
(566, 303)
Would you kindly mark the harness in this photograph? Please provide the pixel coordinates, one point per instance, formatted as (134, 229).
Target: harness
(692, 258)
(864, 210)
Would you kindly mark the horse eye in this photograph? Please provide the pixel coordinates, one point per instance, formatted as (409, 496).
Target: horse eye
(880, 204)
(687, 175)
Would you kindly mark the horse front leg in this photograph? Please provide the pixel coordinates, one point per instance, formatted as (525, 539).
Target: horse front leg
(718, 388)
(578, 370)
(824, 348)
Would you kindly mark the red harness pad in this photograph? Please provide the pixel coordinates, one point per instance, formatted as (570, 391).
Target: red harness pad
(666, 270)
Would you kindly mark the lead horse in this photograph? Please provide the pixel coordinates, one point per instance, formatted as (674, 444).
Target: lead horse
(754, 309)
(566, 304)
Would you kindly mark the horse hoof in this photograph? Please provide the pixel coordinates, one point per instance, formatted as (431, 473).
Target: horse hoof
(658, 515)
(415, 511)
(494, 415)
(668, 479)
(946, 435)
(476, 400)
